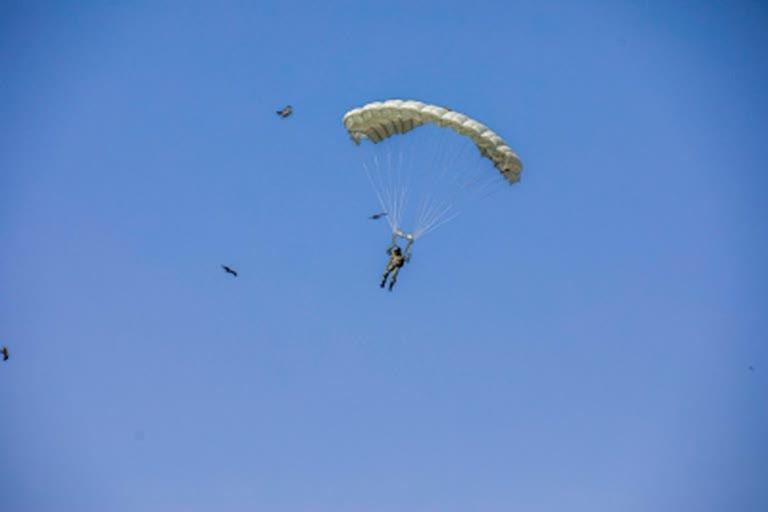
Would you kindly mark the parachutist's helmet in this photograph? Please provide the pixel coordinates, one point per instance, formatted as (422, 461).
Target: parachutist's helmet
(397, 251)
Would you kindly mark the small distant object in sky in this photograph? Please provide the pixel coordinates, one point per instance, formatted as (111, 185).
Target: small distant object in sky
(751, 368)
(228, 270)
(377, 215)
(4, 351)
(288, 110)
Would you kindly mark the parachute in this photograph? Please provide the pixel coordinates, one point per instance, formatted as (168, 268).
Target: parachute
(432, 167)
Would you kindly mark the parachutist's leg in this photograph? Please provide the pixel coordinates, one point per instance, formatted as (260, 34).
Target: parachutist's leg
(384, 278)
(394, 278)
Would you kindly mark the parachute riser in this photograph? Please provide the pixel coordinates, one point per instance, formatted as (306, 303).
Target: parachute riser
(405, 236)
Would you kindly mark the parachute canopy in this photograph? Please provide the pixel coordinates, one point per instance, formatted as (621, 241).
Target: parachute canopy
(379, 120)
(426, 178)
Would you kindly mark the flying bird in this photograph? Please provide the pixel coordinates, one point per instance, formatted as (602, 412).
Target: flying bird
(285, 112)
(228, 270)
(4, 351)
(377, 215)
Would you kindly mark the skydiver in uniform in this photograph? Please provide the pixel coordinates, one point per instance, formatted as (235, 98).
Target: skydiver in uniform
(396, 262)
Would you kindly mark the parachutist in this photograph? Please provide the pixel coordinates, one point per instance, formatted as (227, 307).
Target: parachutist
(377, 215)
(288, 110)
(4, 351)
(396, 262)
(228, 270)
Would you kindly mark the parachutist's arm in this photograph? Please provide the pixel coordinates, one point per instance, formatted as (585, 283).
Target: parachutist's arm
(408, 251)
(392, 245)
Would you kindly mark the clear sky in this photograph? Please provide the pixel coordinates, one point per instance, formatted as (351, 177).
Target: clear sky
(580, 341)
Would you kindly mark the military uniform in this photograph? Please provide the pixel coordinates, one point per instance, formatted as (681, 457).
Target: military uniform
(396, 261)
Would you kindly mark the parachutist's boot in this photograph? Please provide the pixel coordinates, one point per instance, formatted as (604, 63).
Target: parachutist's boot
(391, 284)
(383, 282)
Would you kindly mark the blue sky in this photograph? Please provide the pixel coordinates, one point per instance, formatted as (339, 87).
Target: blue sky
(579, 341)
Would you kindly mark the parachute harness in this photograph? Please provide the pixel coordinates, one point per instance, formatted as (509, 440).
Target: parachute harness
(407, 236)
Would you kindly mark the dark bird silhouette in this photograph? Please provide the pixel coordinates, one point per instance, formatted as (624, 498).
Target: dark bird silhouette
(4, 351)
(228, 270)
(285, 112)
(377, 215)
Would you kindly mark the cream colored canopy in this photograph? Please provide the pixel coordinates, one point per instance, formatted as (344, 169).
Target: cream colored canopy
(378, 120)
